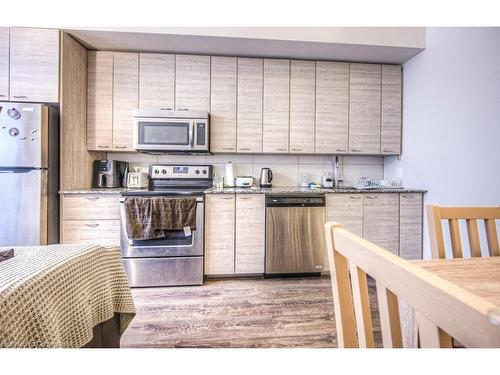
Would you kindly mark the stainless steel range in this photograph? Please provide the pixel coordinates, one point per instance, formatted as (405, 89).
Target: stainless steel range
(176, 259)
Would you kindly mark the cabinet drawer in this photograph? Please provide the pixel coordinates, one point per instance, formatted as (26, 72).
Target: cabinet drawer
(90, 207)
(101, 231)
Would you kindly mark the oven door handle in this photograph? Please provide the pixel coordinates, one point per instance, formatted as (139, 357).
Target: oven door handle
(191, 134)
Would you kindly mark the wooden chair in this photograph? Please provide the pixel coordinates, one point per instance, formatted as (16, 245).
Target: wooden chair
(441, 307)
(435, 214)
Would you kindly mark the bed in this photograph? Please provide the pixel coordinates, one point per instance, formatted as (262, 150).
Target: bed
(64, 296)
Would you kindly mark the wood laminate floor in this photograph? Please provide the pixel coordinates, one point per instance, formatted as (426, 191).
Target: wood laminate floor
(237, 313)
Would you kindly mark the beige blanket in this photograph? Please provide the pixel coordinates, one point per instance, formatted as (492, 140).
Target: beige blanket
(53, 296)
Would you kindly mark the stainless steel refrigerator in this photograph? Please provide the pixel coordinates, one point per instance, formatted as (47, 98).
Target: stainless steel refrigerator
(29, 174)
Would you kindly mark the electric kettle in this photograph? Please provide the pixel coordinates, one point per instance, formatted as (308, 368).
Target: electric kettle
(266, 177)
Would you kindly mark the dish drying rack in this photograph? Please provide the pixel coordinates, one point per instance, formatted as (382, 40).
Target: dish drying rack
(367, 184)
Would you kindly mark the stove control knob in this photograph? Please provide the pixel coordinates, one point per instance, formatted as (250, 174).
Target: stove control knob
(157, 171)
(164, 171)
(204, 171)
(197, 171)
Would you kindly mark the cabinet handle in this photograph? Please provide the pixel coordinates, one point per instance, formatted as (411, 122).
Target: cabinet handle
(20, 96)
(121, 146)
(296, 149)
(355, 150)
(280, 149)
(386, 150)
(228, 148)
(244, 149)
(3, 96)
(92, 225)
(341, 150)
(371, 197)
(246, 198)
(103, 146)
(226, 197)
(355, 197)
(92, 198)
(407, 196)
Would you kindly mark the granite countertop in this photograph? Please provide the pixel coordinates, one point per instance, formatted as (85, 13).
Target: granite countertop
(258, 190)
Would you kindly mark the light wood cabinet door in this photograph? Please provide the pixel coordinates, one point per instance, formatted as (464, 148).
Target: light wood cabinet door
(34, 65)
(410, 225)
(125, 99)
(249, 104)
(90, 207)
(250, 233)
(381, 220)
(223, 104)
(192, 82)
(219, 234)
(364, 108)
(390, 126)
(156, 81)
(100, 101)
(302, 106)
(276, 112)
(332, 106)
(105, 232)
(346, 209)
(4, 63)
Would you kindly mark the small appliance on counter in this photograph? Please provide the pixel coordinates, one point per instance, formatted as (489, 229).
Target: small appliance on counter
(229, 179)
(109, 174)
(244, 181)
(137, 180)
(266, 178)
(328, 182)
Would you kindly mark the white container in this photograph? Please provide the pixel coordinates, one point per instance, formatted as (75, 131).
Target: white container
(229, 179)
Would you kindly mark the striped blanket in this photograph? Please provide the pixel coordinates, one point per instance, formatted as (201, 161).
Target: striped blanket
(53, 296)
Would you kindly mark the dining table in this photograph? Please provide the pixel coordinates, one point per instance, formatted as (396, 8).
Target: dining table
(478, 275)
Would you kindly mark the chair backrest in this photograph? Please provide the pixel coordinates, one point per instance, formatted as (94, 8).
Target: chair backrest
(435, 214)
(442, 309)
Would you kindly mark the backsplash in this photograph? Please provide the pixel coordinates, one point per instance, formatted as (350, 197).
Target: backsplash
(287, 169)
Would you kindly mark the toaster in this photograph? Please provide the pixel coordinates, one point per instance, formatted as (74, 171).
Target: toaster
(137, 180)
(244, 181)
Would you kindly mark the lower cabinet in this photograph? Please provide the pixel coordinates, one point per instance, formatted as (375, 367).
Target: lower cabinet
(390, 220)
(234, 234)
(219, 234)
(90, 218)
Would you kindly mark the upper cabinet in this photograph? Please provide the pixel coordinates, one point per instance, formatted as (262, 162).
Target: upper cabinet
(390, 126)
(276, 116)
(4, 63)
(364, 108)
(302, 106)
(156, 81)
(332, 105)
(249, 107)
(125, 99)
(223, 104)
(34, 65)
(100, 101)
(192, 82)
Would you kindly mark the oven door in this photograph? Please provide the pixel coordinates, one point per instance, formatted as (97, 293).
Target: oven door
(175, 244)
(169, 134)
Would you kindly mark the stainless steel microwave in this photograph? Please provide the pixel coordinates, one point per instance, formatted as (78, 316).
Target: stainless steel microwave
(171, 131)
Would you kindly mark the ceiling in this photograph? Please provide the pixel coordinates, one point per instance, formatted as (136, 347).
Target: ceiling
(380, 45)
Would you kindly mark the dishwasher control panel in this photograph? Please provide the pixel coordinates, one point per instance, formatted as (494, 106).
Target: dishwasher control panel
(295, 201)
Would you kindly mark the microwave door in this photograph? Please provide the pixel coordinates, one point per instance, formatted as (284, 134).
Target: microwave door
(163, 134)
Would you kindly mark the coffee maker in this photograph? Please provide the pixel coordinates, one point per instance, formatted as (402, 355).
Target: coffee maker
(109, 174)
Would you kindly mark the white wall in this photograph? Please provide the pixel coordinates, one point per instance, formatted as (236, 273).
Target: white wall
(451, 119)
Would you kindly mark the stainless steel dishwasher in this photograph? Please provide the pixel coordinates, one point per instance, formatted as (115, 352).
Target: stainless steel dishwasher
(295, 239)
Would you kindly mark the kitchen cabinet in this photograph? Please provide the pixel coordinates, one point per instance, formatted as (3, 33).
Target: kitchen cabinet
(156, 81)
(219, 234)
(302, 106)
(410, 225)
(346, 209)
(192, 82)
(223, 104)
(364, 108)
(249, 105)
(390, 120)
(332, 105)
(276, 107)
(90, 218)
(381, 220)
(34, 65)
(4, 63)
(250, 233)
(125, 99)
(100, 101)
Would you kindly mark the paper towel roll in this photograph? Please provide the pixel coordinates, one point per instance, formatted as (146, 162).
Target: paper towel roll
(229, 175)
